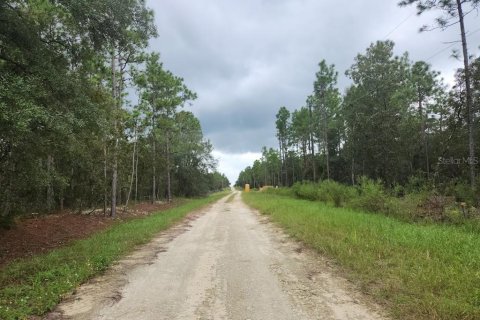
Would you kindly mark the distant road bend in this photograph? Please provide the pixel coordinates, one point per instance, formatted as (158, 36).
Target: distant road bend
(225, 262)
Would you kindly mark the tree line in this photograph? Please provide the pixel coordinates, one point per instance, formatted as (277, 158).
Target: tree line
(70, 136)
(397, 122)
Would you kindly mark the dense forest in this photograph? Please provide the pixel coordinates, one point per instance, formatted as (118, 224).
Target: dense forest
(397, 122)
(89, 117)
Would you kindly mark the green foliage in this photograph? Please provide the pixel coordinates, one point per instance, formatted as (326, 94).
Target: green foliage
(265, 171)
(326, 191)
(34, 286)
(397, 122)
(454, 215)
(415, 184)
(368, 195)
(464, 193)
(336, 193)
(64, 126)
(417, 271)
(377, 111)
(371, 196)
(448, 8)
(308, 191)
(405, 208)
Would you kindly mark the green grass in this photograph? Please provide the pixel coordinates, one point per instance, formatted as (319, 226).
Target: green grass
(34, 286)
(416, 271)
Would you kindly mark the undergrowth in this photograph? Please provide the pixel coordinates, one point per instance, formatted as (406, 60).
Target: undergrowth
(419, 205)
(418, 271)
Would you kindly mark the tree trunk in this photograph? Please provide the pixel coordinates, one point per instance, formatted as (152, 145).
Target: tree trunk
(325, 142)
(169, 187)
(423, 133)
(8, 191)
(470, 120)
(105, 193)
(61, 200)
(353, 171)
(283, 166)
(119, 195)
(281, 161)
(284, 171)
(427, 158)
(312, 145)
(154, 166)
(304, 155)
(264, 174)
(113, 203)
(133, 168)
(293, 170)
(50, 201)
(136, 179)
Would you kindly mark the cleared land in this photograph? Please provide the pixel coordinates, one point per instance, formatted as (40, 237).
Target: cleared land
(33, 286)
(36, 234)
(226, 262)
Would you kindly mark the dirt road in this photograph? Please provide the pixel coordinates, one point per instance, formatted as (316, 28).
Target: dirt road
(226, 262)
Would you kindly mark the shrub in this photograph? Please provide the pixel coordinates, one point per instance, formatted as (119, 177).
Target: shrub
(371, 196)
(414, 202)
(454, 214)
(405, 208)
(416, 184)
(323, 191)
(397, 190)
(338, 194)
(464, 193)
(326, 191)
(308, 191)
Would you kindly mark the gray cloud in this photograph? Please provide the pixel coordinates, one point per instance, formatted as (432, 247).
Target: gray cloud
(245, 59)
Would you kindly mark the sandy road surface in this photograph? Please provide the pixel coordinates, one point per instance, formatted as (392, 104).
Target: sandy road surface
(225, 262)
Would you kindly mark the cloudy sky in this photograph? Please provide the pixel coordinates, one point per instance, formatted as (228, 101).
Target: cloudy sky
(245, 59)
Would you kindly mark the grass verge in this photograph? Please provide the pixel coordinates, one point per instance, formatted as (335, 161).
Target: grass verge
(34, 286)
(417, 271)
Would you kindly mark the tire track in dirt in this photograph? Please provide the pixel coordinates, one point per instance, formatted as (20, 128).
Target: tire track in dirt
(224, 262)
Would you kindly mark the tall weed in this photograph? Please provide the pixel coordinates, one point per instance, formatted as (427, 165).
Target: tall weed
(336, 193)
(371, 196)
(306, 190)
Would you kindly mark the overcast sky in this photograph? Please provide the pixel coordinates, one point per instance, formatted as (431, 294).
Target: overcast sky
(245, 59)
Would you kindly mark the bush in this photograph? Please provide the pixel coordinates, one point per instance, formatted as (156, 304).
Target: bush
(338, 194)
(464, 193)
(371, 196)
(413, 202)
(326, 191)
(404, 208)
(307, 191)
(454, 214)
(416, 184)
(397, 190)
